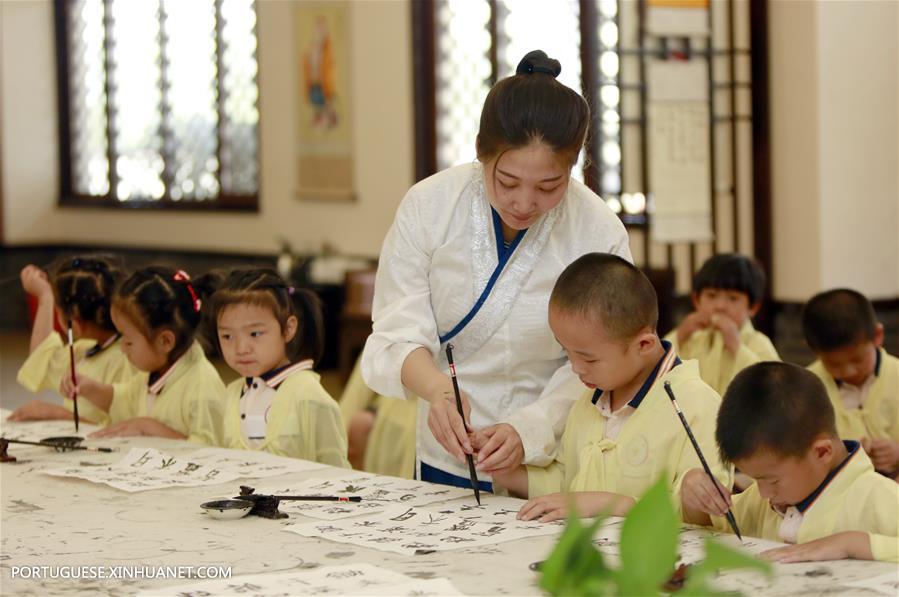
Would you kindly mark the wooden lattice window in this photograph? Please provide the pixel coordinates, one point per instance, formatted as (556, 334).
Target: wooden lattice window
(158, 103)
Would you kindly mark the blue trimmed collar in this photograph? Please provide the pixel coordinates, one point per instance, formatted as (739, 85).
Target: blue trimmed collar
(98, 348)
(647, 384)
(504, 249)
(852, 447)
(248, 381)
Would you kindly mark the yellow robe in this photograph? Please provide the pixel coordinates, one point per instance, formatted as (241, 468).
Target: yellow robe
(878, 418)
(304, 421)
(192, 401)
(717, 365)
(856, 499)
(356, 395)
(49, 362)
(391, 445)
(390, 449)
(652, 442)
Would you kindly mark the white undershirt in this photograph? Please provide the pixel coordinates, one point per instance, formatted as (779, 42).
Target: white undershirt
(614, 420)
(789, 526)
(854, 396)
(254, 408)
(256, 402)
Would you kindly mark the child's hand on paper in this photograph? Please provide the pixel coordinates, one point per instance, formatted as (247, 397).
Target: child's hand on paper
(138, 426)
(555, 506)
(38, 410)
(841, 546)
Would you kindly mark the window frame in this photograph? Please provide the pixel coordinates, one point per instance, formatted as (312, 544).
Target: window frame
(226, 202)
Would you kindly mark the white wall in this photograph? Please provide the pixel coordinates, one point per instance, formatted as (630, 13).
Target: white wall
(30, 162)
(858, 149)
(384, 158)
(834, 98)
(794, 140)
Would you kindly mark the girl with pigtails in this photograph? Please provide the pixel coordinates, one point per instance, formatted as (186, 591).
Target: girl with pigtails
(180, 395)
(271, 334)
(77, 292)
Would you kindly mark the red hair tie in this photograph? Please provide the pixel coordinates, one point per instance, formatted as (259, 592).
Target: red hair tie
(181, 276)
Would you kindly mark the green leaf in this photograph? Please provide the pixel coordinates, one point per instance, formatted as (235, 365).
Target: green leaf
(720, 557)
(649, 542)
(595, 586)
(575, 566)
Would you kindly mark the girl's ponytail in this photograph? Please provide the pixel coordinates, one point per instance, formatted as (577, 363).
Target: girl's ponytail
(205, 287)
(83, 287)
(156, 298)
(309, 341)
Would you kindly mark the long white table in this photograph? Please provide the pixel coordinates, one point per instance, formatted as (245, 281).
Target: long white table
(54, 521)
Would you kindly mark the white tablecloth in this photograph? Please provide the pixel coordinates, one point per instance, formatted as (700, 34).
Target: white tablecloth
(53, 521)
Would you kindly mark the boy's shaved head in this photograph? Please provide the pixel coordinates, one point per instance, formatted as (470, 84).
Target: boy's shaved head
(775, 407)
(838, 319)
(605, 287)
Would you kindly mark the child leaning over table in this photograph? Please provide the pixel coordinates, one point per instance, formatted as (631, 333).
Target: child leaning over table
(179, 395)
(76, 291)
(812, 488)
(623, 432)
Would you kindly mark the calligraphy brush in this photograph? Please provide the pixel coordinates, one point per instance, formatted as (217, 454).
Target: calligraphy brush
(312, 498)
(74, 378)
(729, 515)
(18, 277)
(472, 474)
(62, 447)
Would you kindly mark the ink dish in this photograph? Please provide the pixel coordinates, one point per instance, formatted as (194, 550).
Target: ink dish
(227, 509)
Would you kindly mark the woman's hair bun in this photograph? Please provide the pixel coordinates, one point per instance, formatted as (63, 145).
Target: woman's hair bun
(537, 61)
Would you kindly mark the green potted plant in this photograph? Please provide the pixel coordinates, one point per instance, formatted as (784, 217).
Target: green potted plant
(648, 547)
